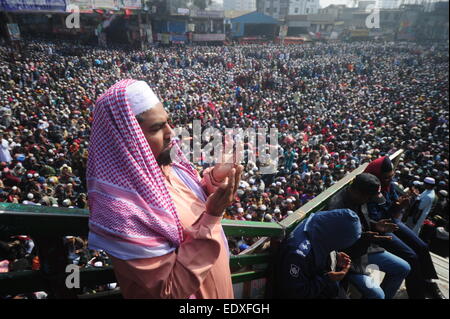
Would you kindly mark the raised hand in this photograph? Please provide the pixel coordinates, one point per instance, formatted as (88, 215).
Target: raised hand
(385, 226)
(224, 195)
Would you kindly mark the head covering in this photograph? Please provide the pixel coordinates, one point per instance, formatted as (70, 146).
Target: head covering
(379, 166)
(243, 246)
(369, 184)
(331, 230)
(429, 181)
(131, 212)
(140, 97)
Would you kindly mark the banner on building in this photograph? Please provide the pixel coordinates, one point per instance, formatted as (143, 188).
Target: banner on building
(105, 4)
(178, 38)
(33, 5)
(84, 6)
(130, 4)
(165, 38)
(13, 31)
(208, 14)
(182, 11)
(208, 37)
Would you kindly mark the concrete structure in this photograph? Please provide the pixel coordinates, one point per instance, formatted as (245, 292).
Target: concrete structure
(298, 25)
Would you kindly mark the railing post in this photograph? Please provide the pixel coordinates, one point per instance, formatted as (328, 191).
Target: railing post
(53, 261)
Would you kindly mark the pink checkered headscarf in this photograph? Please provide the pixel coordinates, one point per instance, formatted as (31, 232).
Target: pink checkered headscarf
(132, 214)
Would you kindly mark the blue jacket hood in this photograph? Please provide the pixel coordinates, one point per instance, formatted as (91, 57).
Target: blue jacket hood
(330, 230)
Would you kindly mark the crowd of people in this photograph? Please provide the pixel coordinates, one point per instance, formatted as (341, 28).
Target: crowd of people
(335, 105)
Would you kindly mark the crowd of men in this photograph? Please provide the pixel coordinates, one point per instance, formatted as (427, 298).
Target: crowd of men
(335, 105)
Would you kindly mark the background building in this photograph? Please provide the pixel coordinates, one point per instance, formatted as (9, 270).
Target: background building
(239, 5)
(389, 4)
(280, 9)
(255, 24)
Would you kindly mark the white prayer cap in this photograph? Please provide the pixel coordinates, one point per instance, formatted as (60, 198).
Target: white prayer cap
(240, 210)
(112, 286)
(98, 264)
(429, 180)
(141, 97)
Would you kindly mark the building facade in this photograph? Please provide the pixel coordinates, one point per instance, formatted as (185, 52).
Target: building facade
(280, 9)
(239, 5)
(389, 4)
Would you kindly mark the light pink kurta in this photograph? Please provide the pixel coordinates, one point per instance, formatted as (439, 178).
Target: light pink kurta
(198, 268)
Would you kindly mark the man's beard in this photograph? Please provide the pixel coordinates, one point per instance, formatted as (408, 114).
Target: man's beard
(164, 158)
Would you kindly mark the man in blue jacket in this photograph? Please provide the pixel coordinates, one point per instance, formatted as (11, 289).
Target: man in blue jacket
(309, 266)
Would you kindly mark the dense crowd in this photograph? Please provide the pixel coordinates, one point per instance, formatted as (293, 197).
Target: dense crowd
(335, 105)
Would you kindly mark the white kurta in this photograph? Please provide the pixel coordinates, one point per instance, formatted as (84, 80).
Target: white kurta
(5, 156)
(426, 203)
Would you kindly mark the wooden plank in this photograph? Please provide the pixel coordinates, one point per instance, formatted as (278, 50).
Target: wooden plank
(247, 276)
(441, 266)
(251, 229)
(37, 220)
(256, 245)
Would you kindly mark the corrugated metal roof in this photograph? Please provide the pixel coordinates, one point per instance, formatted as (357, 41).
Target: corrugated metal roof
(255, 18)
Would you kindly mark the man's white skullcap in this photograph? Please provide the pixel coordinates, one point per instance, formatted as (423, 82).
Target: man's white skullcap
(141, 97)
(429, 180)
